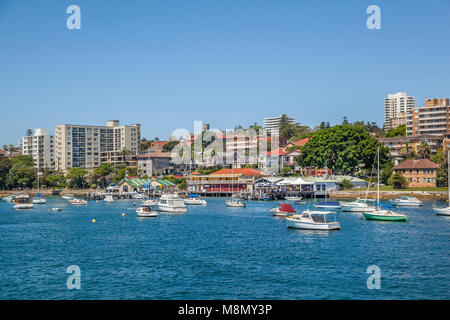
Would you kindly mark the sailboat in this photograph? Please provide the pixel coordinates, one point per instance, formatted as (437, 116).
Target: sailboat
(383, 214)
(234, 202)
(39, 199)
(445, 211)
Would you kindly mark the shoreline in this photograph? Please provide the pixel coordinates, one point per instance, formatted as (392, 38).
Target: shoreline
(347, 194)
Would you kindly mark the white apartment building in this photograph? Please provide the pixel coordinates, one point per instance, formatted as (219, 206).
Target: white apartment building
(396, 108)
(40, 146)
(86, 146)
(273, 125)
(431, 119)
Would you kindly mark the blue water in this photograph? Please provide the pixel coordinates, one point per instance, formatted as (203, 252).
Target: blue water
(215, 252)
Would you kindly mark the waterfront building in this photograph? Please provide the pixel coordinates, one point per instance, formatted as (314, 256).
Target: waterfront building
(155, 163)
(156, 146)
(87, 146)
(273, 125)
(433, 118)
(396, 108)
(40, 146)
(397, 145)
(225, 181)
(134, 184)
(418, 173)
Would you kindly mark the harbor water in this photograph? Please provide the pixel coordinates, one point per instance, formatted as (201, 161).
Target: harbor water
(216, 252)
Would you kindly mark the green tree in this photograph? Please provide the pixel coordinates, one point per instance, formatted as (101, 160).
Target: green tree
(125, 153)
(442, 176)
(77, 177)
(286, 171)
(343, 148)
(386, 173)
(407, 152)
(57, 180)
(398, 181)
(22, 172)
(400, 131)
(347, 184)
(170, 145)
(5, 166)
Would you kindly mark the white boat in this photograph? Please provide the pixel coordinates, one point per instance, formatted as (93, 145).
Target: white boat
(360, 205)
(329, 205)
(39, 200)
(57, 209)
(77, 201)
(283, 210)
(446, 210)
(109, 198)
(406, 201)
(171, 203)
(138, 196)
(195, 201)
(22, 202)
(146, 212)
(9, 199)
(292, 198)
(314, 220)
(149, 203)
(235, 203)
(67, 196)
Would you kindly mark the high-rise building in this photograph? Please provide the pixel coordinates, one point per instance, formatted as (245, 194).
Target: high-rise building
(273, 125)
(433, 118)
(40, 146)
(87, 146)
(396, 108)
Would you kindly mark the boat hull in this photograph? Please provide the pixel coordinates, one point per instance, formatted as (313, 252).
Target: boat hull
(39, 201)
(23, 206)
(304, 225)
(380, 217)
(357, 209)
(442, 211)
(170, 209)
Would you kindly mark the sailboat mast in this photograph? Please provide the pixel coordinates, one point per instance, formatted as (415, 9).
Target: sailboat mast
(378, 178)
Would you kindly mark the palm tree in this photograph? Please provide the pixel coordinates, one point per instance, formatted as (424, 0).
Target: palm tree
(423, 150)
(125, 154)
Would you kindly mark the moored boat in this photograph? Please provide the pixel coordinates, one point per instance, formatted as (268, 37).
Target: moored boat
(67, 196)
(146, 212)
(9, 199)
(360, 205)
(314, 220)
(171, 203)
(442, 211)
(109, 198)
(406, 201)
(195, 201)
(235, 203)
(283, 210)
(329, 205)
(77, 201)
(22, 202)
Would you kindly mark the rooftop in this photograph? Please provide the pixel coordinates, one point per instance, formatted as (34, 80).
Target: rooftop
(417, 164)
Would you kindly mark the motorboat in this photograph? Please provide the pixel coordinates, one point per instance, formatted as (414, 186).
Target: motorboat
(314, 220)
(22, 202)
(77, 201)
(109, 198)
(9, 199)
(383, 214)
(67, 196)
(146, 212)
(57, 209)
(283, 210)
(149, 203)
(138, 196)
(293, 198)
(39, 200)
(195, 201)
(171, 203)
(360, 205)
(329, 205)
(442, 211)
(406, 201)
(235, 203)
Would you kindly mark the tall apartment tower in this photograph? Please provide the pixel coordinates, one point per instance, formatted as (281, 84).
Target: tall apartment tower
(433, 118)
(87, 146)
(273, 125)
(40, 146)
(396, 108)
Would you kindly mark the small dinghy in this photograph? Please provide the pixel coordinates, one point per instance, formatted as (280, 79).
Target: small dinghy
(283, 210)
(57, 209)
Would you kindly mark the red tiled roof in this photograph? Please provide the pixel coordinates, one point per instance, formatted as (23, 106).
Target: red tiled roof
(160, 143)
(242, 171)
(417, 164)
(195, 172)
(301, 143)
(277, 152)
(155, 155)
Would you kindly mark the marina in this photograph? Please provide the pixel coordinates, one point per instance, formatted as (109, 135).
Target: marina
(217, 252)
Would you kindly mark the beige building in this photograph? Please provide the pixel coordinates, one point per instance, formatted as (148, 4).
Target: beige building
(87, 146)
(396, 108)
(433, 118)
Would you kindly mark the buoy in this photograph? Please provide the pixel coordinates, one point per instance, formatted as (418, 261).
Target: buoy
(123, 214)
(93, 220)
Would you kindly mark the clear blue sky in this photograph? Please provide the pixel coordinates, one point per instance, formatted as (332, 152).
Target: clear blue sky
(165, 64)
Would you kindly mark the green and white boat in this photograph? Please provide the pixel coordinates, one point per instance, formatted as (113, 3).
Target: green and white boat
(383, 214)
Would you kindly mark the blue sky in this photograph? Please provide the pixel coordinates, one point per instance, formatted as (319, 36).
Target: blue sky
(165, 64)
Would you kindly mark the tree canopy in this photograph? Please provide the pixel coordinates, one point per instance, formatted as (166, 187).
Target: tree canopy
(342, 148)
